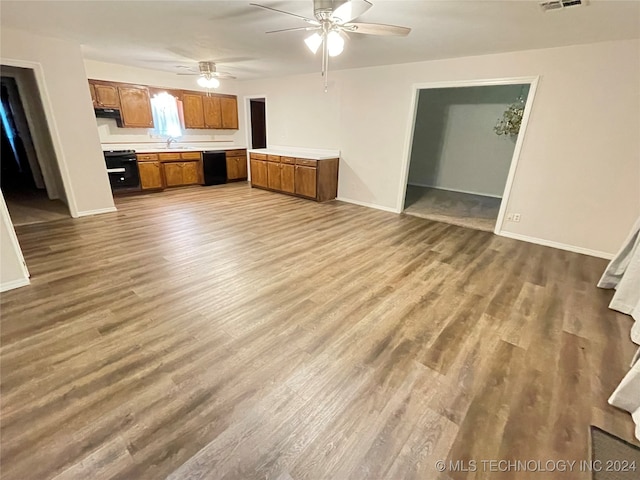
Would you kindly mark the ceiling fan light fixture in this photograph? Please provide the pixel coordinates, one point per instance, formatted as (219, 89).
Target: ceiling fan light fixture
(313, 42)
(335, 43)
(210, 82)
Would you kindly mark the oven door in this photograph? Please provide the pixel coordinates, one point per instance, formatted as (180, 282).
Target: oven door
(123, 173)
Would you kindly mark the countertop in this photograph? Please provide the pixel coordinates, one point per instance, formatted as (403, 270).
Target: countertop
(312, 154)
(154, 148)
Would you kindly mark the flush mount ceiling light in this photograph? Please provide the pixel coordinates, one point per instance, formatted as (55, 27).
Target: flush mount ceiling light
(208, 75)
(332, 23)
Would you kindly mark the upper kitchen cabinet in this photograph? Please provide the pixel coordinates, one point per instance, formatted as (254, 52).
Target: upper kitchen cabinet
(135, 106)
(229, 110)
(212, 113)
(104, 94)
(193, 110)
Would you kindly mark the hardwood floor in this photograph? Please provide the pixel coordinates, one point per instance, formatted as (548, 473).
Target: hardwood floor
(233, 333)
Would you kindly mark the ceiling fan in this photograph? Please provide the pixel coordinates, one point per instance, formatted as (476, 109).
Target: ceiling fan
(333, 21)
(209, 76)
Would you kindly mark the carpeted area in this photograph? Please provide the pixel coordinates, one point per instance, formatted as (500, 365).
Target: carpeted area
(613, 458)
(464, 209)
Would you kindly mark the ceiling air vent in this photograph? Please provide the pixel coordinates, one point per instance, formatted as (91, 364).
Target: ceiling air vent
(560, 4)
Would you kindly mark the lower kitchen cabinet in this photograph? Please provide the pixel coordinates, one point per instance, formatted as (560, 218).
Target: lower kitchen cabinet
(150, 175)
(171, 169)
(273, 176)
(177, 174)
(314, 179)
(305, 181)
(287, 178)
(236, 165)
(259, 173)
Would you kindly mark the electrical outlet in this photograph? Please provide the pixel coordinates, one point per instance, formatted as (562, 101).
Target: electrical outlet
(516, 217)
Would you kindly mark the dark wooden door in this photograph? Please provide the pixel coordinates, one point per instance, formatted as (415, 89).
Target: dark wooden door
(258, 124)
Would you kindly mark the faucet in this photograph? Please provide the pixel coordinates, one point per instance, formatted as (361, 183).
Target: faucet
(170, 140)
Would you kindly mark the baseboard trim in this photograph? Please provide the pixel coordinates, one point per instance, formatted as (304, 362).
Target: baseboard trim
(21, 282)
(366, 204)
(453, 190)
(98, 211)
(558, 245)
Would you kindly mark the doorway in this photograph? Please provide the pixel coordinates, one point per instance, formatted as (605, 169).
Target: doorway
(464, 150)
(30, 178)
(258, 122)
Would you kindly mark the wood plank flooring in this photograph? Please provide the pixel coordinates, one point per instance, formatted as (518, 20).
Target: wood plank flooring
(231, 333)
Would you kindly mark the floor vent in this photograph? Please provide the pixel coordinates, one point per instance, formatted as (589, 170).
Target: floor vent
(560, 4)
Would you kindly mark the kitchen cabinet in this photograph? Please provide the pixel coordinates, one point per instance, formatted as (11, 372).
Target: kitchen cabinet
(305, 181)
(212, 112)
(135, 106)
(104, 95)
(303, 177)
(150, 175)
(287, 178)
(259, 169)
(193, 110)
(229, 112)
(236, 165)
(178, 174)
(170, 169)
(273, 172)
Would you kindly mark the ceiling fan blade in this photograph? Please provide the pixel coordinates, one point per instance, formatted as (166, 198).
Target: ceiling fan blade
(308, 20)
(292, 29)
(376, 29)
(349, 10)
(180, 73)
(223, 75)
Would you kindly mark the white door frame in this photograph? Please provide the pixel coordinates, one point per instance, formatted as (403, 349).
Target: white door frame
(13, 241)
(404, 177)
(247, 119)
(53, 128)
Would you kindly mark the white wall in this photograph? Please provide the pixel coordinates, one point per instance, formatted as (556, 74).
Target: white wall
(62, 83)
(454, 144)
(578, 178)
(111, 134)
(13, 272)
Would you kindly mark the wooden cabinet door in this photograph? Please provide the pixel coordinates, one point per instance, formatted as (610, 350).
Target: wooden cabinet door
(92, 89)
(193, 110)
(273, 175)
(259, 173)
(242, 167)
(287, 178)
(305, 181)
(229, 109)
(135, 106)
(212, 112)
(190, 173)
(150, 175)
(232, 169)
(106, 96)
(173, 173)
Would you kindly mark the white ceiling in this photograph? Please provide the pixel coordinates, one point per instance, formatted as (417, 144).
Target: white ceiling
(162, 35)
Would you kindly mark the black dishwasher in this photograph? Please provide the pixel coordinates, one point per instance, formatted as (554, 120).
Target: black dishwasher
(214, 164)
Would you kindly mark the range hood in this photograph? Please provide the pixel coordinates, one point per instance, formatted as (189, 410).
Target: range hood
(109, 113)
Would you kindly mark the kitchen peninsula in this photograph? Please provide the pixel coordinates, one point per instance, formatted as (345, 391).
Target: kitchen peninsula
(305, 173)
